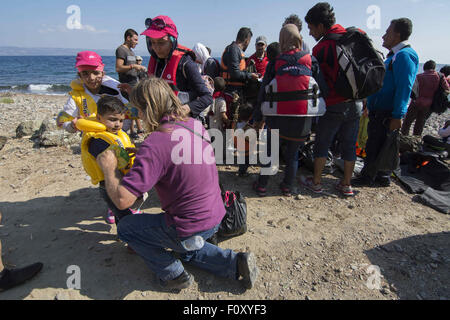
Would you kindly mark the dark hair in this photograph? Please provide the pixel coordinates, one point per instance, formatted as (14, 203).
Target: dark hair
(273, 50)
(130, 33)
(219, 84)
(429, 65)
(403, 26)
(445, 70)
(323, 13)
(110, 104)
(245, 111)
(294, 19)
(243, 34)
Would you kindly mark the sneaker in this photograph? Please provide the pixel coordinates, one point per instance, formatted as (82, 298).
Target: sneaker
(345, 190)
(181, 282)
(363, 181)
(383, 182)
(308, 182)
(136, 211)
(247, 269)
(286, 191)
(259, 190)
(109, 217)
(14, 277)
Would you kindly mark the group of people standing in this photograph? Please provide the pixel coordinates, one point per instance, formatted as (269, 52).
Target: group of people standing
(283, 86)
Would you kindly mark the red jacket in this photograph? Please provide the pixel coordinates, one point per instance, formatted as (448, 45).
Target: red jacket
(260, 64)
(325, 53)
(429, 82)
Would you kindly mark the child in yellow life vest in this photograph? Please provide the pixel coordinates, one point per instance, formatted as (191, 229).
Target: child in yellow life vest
(98, 136)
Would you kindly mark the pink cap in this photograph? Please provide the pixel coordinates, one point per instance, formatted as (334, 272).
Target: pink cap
(161, 26)
(89, 60)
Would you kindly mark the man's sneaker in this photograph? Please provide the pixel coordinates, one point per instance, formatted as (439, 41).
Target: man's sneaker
(308, 182)
(363, 181)
(247, 269)
(286, 191)
(14, 277)
(345, 190)
(383, 182)
(181, 282)
(109, 217)
(259, 190)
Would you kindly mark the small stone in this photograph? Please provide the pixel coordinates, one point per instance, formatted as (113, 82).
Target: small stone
(299, 197)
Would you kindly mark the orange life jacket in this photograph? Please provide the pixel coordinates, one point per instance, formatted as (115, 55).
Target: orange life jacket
(226, 75)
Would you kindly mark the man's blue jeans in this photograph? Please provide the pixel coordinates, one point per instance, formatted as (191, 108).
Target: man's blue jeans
(150, 237)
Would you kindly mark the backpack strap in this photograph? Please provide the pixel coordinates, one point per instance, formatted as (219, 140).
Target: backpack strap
(196, 133)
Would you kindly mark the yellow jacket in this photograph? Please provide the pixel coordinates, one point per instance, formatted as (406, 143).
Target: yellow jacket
(117, 142)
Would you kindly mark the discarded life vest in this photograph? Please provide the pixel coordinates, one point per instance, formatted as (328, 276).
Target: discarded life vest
(118, 143)
(293, 91)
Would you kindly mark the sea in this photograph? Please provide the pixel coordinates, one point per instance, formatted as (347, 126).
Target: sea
(51, 75)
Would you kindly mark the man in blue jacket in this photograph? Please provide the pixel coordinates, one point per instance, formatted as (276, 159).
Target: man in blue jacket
(388, 106)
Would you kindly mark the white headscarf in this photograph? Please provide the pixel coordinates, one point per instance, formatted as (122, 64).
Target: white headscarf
(202, 55)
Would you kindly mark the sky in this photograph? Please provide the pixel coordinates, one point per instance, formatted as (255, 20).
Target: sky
(214, 23)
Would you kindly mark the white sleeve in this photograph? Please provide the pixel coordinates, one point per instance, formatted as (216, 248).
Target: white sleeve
(222, 105)
(71, 109)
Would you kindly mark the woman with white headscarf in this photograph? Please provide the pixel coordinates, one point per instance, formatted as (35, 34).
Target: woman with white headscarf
(207, 65)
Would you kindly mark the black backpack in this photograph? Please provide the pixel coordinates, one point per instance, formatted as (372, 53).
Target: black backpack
(361, 66)
(440, 101)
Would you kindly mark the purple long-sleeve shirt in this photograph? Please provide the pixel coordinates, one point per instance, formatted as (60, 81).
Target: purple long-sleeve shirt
(189, 191)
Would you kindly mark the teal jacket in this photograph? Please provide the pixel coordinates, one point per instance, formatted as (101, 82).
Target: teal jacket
(397, 85)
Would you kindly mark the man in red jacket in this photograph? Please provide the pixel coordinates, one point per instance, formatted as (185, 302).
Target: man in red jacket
(341, 119)
(429, 82)
(259, 58)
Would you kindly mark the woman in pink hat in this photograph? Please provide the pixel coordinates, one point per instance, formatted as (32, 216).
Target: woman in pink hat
(176, 65)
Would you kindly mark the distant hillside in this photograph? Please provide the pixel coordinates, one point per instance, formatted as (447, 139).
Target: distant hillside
(17, 51)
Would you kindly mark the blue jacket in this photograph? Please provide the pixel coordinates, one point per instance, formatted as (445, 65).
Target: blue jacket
(397, 86)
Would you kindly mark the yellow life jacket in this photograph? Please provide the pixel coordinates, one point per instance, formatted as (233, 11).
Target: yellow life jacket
(117, 142)
(86, 105)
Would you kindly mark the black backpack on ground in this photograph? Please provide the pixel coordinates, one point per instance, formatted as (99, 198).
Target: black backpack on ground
(440, 101)
(361, 66)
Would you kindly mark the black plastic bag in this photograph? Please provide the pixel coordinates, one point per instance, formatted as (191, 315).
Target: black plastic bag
(388, 159)
(234, 223)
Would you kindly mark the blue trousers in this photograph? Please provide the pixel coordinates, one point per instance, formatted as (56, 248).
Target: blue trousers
(150, 237)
